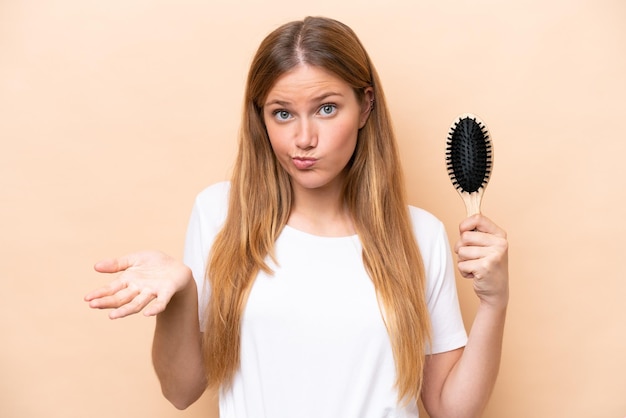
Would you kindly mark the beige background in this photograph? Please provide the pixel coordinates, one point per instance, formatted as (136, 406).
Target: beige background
(114, 114)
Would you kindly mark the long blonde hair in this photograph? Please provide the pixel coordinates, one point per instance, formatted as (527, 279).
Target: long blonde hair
(261, 196)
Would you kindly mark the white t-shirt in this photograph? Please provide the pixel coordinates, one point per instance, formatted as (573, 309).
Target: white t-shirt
(313, 342)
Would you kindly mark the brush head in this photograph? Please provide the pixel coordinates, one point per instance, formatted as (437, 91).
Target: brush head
(468, 154)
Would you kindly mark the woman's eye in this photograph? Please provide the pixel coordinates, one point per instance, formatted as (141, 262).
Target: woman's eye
(282, 115)
(328, 109)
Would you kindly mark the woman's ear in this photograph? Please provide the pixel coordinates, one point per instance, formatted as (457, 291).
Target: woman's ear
(366, 106)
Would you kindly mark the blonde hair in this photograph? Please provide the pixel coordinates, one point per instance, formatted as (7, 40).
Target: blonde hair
(261, 196)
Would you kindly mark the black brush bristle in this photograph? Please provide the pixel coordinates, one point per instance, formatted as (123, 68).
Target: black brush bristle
(468, 155)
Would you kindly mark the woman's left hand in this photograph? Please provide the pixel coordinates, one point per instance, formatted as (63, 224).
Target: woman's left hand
(482, 252)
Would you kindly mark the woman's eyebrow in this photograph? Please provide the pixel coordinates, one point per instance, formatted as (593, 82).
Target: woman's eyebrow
(319, 98)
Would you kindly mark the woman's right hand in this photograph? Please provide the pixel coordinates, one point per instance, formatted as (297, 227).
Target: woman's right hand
(148, 281)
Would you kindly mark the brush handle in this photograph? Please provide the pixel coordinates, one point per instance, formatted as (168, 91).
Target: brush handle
(472, 201)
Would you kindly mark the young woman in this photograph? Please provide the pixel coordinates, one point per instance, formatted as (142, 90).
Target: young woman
(309, 287)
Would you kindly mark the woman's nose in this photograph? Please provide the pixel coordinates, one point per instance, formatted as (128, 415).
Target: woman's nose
(306, 137)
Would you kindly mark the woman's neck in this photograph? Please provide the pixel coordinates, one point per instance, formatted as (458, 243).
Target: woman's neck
(320, 212)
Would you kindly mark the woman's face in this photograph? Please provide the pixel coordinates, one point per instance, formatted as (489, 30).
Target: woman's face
(312, 119)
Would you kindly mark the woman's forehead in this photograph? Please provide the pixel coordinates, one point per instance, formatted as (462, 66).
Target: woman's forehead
(306, 82)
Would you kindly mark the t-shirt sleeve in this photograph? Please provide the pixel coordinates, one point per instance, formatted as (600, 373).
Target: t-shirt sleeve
(448, 330)
(207, 217)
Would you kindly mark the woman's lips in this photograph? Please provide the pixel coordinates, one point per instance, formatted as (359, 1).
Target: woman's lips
(303, 163)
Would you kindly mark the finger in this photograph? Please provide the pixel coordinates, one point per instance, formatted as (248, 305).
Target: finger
(473, 269)
(107, 290)
(465, 269)
(467, 253)
(471, 239)
(109, 265)
(481, 239)
(481, 223)
(161, 301)
(134, 306)
(114, 265)
(157, 306)
(116, 299)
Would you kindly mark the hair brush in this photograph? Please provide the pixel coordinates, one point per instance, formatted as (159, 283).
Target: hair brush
(469, 159)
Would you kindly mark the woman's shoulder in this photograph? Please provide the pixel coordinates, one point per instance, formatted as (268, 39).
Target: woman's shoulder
(211, 204)
(424, 222)
(215, 193)
(214, 198)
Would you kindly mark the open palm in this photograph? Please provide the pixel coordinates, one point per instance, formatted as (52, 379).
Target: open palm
(147, 282)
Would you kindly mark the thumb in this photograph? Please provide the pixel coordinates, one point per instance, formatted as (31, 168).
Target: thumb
(113, 265)
(470, 224)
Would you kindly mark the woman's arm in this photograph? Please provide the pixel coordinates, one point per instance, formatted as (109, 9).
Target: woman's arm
(459, 383)
(177, 349)
(159, 285)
